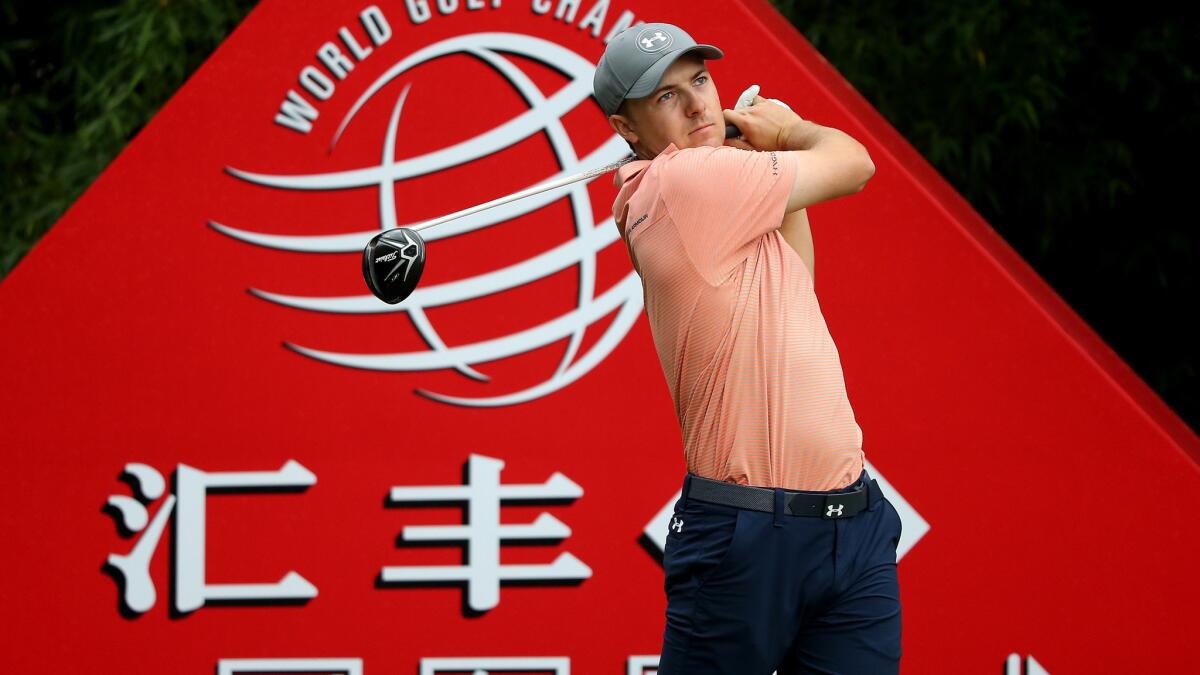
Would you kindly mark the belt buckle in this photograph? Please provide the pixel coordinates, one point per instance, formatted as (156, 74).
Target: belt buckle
(835, 506)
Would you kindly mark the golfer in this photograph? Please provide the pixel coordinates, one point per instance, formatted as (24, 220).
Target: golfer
(781, 553)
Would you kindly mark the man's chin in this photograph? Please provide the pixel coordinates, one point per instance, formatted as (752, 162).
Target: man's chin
(712, 136)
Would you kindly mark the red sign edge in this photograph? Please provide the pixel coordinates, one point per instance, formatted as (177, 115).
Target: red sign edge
(1022, 275)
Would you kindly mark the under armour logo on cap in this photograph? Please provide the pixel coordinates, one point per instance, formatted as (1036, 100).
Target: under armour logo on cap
(652, 40)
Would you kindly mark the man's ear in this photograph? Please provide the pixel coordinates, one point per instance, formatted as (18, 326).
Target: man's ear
(622, 126)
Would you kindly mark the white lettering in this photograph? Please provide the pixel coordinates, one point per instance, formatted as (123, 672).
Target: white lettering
(296, 113)
(333, 59)
(541, 6)
(447, 6)
(316, 82)
(134, 567)
(352, 666)
(595, 17)
(484, 495)
(548, 665)
(478, 4)
(377, 26)
(567, 7)
(418, 11)
(192, 589)
(358, 51)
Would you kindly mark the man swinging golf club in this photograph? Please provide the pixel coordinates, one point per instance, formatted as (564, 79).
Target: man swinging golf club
(781, 553)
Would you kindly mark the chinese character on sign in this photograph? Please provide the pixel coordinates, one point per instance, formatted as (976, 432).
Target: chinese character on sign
(643, 664)
(132, 570)
(483, 533)
(496, 665)
(351, 666)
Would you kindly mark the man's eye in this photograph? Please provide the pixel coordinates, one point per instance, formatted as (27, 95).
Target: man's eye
(664, 96)
(702, 79)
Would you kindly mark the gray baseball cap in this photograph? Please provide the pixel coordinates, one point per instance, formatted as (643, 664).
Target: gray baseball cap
(636, 58)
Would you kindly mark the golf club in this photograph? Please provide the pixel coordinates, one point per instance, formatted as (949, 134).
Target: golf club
(394, 259)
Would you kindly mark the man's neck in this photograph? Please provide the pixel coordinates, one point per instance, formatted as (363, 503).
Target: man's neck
(646, 154)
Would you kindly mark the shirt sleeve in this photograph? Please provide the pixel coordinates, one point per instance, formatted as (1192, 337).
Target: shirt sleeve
(723, 200)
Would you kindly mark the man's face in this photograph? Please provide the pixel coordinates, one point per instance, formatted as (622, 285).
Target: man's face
(684, 110)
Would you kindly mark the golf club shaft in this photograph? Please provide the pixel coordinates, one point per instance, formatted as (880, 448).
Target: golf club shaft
(730, 132)
(528, 192)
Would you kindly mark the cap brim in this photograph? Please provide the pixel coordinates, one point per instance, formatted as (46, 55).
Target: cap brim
(648, 82)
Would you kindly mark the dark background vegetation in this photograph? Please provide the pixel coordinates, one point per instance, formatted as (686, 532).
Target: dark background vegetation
(1071, 127)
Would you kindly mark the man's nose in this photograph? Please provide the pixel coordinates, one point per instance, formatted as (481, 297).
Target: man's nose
(694, 105)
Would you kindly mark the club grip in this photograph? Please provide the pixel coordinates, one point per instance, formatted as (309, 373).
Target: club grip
(732, 131)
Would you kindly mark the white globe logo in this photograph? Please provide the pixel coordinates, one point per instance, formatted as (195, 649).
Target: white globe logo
(544, 115)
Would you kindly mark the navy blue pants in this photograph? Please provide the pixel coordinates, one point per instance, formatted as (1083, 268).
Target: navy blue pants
(751, 592)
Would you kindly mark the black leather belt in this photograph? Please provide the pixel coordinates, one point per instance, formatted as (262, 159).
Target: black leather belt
(828, 505)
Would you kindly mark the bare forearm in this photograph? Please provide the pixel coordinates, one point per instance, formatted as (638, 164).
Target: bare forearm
(845, 163)
(829, 162)
(805, 135)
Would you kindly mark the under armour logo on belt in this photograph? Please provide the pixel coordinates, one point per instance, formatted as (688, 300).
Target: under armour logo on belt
(677, 524)
(833, 511)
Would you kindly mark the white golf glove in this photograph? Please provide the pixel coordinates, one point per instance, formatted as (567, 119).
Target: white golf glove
(747, 98)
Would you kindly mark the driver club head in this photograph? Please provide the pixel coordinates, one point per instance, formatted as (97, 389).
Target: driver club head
(392, 264)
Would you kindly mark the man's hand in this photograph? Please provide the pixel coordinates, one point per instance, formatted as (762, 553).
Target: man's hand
(829, 163)
(764, 125)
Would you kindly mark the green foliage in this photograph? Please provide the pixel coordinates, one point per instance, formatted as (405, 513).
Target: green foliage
(78, 81)
(1071, 128)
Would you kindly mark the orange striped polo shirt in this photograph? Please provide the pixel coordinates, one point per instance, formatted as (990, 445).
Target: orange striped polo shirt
(755, 376)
